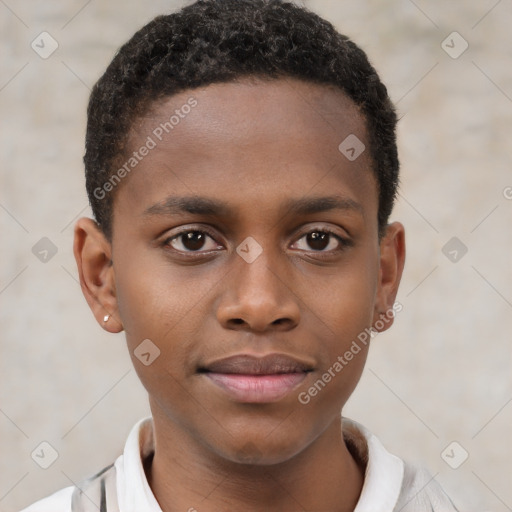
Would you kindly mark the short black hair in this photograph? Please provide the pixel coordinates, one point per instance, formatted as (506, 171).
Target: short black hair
(215, 41)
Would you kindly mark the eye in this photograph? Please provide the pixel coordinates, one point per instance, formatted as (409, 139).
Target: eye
(192, 241)
(321, 240)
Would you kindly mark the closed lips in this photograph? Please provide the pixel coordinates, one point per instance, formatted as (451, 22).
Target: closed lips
(271, 364)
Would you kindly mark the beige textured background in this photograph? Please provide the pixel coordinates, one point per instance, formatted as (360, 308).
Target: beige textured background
(443, 372)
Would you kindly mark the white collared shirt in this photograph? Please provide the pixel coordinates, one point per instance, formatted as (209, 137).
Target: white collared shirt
(389, 483)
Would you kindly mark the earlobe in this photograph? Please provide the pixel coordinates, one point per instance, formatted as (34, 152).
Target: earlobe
(93, 255)
(392, 261)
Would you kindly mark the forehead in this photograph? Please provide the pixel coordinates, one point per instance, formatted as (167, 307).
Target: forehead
(261, 106)
(264, 141)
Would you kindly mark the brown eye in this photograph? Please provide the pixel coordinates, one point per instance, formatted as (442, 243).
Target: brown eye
(320, 241)
(192, 241)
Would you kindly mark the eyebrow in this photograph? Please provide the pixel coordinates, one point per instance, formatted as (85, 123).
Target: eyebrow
(174, 205)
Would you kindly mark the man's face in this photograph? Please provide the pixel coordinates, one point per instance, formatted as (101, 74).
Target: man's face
(245, 233)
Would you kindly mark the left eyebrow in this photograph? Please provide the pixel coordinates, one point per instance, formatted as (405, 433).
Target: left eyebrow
(310, 205)
(175, 205)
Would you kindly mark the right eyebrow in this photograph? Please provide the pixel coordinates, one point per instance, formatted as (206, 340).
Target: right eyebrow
(174, 205)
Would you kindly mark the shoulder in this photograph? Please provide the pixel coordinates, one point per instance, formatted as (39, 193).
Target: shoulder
(59, 501)
(84, 497)
(389, 482)
(420, 491)
(125, 477)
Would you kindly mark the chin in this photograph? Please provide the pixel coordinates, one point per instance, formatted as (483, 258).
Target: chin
(260, 450)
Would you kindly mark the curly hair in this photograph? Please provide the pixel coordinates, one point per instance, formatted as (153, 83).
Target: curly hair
(212, 41)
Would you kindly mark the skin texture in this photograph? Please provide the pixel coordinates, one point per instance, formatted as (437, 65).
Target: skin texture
(254, 145)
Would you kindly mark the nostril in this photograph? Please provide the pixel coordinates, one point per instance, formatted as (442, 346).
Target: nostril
(281, 321)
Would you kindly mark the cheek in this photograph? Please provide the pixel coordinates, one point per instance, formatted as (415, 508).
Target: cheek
(346, 301)
(164, 305)
(156, 310)
(344, 312)
(152, 297)
(341, 354)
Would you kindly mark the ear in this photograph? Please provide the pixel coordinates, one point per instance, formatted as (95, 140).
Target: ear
(93, 255)
(392, 260)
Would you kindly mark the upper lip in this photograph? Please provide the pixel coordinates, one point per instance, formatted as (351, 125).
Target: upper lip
(246, 364)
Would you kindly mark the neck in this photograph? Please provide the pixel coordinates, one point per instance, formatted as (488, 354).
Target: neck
(185, 476)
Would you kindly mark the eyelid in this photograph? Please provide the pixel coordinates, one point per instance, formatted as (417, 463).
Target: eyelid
(312, 226)
(336, 230)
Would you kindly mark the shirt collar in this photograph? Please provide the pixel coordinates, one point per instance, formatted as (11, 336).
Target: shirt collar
(380, 492)
(383, 474)
(134, 492)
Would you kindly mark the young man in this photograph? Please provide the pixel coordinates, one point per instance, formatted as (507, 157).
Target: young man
(241, 165)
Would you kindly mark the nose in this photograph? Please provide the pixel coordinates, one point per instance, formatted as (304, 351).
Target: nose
(258, 297)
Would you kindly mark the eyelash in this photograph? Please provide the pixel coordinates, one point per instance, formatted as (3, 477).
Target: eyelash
(344, 242)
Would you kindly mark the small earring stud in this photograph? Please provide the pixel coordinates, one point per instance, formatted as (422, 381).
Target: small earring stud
(105, 318)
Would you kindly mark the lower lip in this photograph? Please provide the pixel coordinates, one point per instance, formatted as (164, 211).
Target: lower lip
(257, 388)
